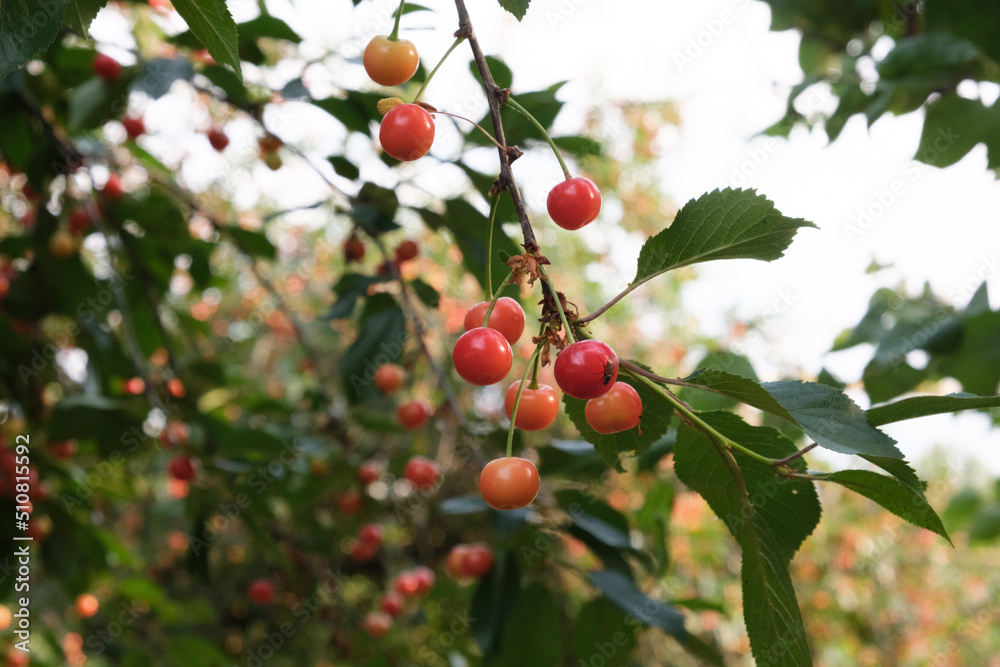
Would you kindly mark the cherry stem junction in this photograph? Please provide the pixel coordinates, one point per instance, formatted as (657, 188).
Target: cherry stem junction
(555, 298)
(458, 40)
(513, 104)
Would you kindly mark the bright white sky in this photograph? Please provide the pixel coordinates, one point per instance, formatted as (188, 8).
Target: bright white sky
(730, 77)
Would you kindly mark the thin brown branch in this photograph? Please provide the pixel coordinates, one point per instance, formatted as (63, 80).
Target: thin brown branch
(797, 455)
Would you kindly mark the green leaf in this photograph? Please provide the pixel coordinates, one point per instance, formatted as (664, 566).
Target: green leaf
(738, 388)
(962, 507)
(213, 25)
(97, 101)
(655, 421)
(923, 406)
(375, 209)
(502, 75)
(25, 29)
(253, 243)
(427, 294)
(356, 111)
(580, 146)
(380, 340)
(349, 289)
(831, 418)
(345, 167)
(159, 74)
(891, 494)
(601, 629)
(80, 13)
(227, 81)
(268, 26)
(516, 7)
(531, 638)
(954, 126)
(976, 363)
(573, 459)
(196, 652)
(788, 506)
(622, 592)
(724, 224)
(492, 603)
(986, 525)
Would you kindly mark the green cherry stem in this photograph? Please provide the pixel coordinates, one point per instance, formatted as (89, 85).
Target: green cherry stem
(513, 104)
(458, 40)
(394, 35)
(555, 298)
(495, 297)
(494, 205)
(517, 399)
(469, 120)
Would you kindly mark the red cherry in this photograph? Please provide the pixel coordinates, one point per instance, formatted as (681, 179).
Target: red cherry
(87, 605)
(260, 591)
(509, 483)
(371, 534)
(414, 414)
(482, 356)
(455, 561)
(183, 468)
(422, 472)
(176, 388)
(369, 472)
(477, 561)
(134, 386)
(407, 584)
(425, 578)
(63, 450)
(389, 378)
(618, 410)
(407, 132)
(350, 502)
(354, 249)
(362, 552)
(218, 139)
(79, 220)
(574, 203)
(586, 369)
(134, 127)
(390, 62)
(507, 318)
(392, 603)
(175, 434)
(17, 658)
(538, 408)
(406, 251)
(113, 189)
(106, 67)
(378, 623)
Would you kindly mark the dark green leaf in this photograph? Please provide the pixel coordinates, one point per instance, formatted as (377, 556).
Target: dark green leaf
(655, 421)
(962, 507)
(923, 406)
(622, 592)
(380, 340)
(831, 418)
(954, 126)
(345, 167)
(926, 56)
(492, 603)
(427, 294)
(349, 289)
(738, 388)
(253, 243)
(80, 13)
(976, 363)
(25, 29)
(268, 26)
(213, 25)
(580, 146)
(724, 224)
(159, 74)
(96, 102)
(502, 75)
(531, 638)
(601, 630)
(196, 652)
(574, 459)
(516, 7)
(227, 81)
(986, 525)
(893, 496)
(375, 209)
(356, 111)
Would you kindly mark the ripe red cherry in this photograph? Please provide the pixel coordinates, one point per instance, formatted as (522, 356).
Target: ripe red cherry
(422, 472)
(389, 377)
(574, 203)
(618, 410)
(79, 220)
(106, 67)
(509, 483)
(362, 552)
(455, 562)
(218, 139)
(113, 189)
(392, 603)
(62, 450)
(134, 127)
(368, 472)
(407, 584)
(378, 623)
(538, 408)
(370, 533)
(406, 251)
(260, 591)
(354, 249)
(507, 318)
(477, 561)
(586, 369)
(414, 414)
(482, 356)
(425, 578)
(350, 502)
(407, 132)
(134, 386)
(175, 434)
(390, 62)
(182, 468)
